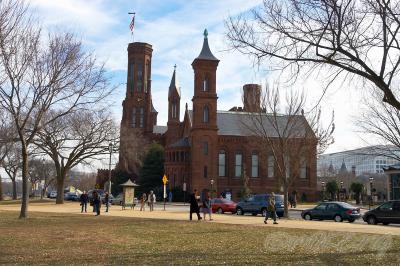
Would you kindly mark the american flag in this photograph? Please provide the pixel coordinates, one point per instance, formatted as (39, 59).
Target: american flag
(132, 25)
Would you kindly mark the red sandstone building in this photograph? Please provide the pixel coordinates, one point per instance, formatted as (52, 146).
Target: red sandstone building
(209, 145)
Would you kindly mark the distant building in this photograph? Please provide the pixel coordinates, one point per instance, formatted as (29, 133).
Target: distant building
(367, 160)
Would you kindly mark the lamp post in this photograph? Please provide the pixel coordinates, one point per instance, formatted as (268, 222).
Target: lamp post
(212, 187)
(341, 190)
(323, 190)
(44, 176)
(110, 148)
(371, 181)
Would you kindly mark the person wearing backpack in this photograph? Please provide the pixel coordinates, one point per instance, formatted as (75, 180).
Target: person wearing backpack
(271, 210)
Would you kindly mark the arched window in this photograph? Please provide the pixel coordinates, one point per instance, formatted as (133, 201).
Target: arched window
(205, 114)
(271, 166)
(132, 77)
(205, 83)
(254, 164)
(140, 76)
(146, 75)
(221, 163)
(205, 148)
(238, 164)
(134, 117)
(205, 174)
(141, 117)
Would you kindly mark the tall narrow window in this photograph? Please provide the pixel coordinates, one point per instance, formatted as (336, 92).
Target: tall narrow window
(205, 114)
(146, 75)
(139, 77)
(254, 165)
(134, 117)
(238, 164)
(174, 110)
(221, 163)
(205, 148)
(141, 118)
(271, 166)
(287, 166)
(303, 169)
(205, 174)
(132, 77)
(205, 83)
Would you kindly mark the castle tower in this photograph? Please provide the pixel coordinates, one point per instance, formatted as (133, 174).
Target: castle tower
(174, 99)
(204, 130)
(138, 115)
(251, 98)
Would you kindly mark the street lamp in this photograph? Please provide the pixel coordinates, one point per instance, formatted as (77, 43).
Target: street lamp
(323, 190)
(371, 181)
(110, 148)
(212, 185)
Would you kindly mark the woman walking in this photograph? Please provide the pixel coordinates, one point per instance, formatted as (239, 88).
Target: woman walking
(207, 206)
(143, 200)
(271, 211)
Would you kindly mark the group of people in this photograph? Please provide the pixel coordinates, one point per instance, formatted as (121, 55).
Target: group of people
(149, 199)
(205, 205)
(95, 201)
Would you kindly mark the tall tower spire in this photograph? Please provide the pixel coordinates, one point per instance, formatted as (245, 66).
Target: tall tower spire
(174, 100)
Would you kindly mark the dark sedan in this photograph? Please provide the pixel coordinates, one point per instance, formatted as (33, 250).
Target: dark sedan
(223, 205)
(335, 210)
(388, 212)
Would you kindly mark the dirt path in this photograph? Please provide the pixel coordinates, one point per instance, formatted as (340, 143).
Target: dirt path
(74, 208)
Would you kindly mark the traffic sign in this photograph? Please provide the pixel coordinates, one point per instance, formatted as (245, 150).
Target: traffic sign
(165, 179)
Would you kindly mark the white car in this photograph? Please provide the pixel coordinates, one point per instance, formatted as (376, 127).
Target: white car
(53, 195)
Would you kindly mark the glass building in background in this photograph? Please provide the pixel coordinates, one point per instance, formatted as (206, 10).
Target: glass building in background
(366, 160)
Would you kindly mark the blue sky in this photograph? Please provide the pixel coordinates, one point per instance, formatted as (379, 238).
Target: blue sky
(175, 29)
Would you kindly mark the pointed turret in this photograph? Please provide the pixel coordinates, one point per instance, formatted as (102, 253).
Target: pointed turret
(206, 53)
(174, 86)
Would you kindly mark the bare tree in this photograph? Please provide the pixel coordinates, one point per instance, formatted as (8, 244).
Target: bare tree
(42, 171)
(349, 38)
(77, 138)
(6, 140)
(38, 75)
(12, 165)
(294, 138)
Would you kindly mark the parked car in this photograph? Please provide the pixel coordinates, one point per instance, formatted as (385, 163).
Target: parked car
(103, 198)
(119, 199)
(72, 196)
(258, 204)
(332, 210)
(53, 195)
(221, 205)
(387, 213)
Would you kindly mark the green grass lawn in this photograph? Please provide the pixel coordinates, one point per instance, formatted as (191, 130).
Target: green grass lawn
(74, 239)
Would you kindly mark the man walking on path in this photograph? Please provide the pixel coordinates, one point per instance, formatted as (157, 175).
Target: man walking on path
(107, 200)
(84, 199)
(194, 206)
(151, 200)
(271, 211)
(96, 202)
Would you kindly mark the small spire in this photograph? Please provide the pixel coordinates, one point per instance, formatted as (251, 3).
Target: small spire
(186, 106)
(205, 34)
(174, 84)
(206, 53)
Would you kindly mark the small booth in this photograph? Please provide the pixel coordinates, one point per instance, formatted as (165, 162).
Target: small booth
(128, 194)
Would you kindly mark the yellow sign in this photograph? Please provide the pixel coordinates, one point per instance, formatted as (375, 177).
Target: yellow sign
(165, 179)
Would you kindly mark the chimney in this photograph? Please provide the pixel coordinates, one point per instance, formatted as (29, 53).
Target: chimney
(251, 97)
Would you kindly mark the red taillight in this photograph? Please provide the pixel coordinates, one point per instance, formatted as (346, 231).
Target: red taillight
(349, 212)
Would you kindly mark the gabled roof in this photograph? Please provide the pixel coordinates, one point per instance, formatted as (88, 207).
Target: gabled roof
(174, 86)
(129, 183)
(206, 53)
(241, 124)
(153, 110)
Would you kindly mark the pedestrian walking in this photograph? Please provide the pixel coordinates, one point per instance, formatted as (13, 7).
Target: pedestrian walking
(143, 200)
(107, 201)
(96, 202)
(151, 200)
(84, 199)
(207, 206)
(271, 210)
(194, 205)
(294, 199)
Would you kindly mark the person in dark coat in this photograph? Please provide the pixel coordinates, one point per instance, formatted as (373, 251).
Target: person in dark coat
(84, 200)
(107, 200)
(96, 202)
(194, 206)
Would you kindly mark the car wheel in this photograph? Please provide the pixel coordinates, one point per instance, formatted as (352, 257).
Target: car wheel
(239, 211)
(263, 212)
(254, 214)
(338, 218)
(385, 223)
(307, 217)
(220, 211)
(351, 220)
(371, 220)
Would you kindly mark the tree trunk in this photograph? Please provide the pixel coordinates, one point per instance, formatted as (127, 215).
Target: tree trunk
(285, 201)
(14, 189)
(25, 189)
(1, 189)
(60, 187)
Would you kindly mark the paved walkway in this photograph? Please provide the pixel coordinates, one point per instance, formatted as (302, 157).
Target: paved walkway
(74, 208)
